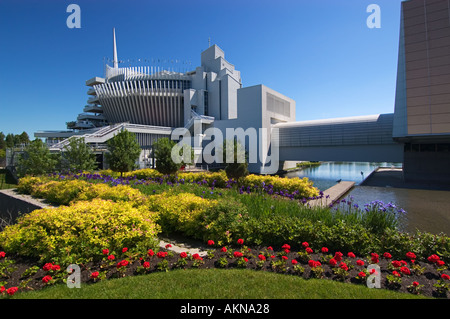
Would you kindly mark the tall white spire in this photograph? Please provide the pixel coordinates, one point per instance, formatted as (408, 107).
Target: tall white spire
(116, 62)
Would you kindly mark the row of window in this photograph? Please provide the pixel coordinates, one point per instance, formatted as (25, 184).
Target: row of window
(440, 147)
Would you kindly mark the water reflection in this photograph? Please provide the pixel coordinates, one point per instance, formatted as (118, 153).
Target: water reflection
(427, 210)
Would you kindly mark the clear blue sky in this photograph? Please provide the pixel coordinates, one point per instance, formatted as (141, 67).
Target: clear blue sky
(318, 52)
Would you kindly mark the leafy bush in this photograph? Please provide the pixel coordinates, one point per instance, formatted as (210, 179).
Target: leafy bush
(60, 193)
(180, 212)
(78, 233)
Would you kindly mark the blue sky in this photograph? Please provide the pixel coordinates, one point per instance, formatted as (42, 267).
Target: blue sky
(318, 52)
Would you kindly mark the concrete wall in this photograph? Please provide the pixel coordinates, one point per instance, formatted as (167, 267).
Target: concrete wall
(13, 205)
(428, 167)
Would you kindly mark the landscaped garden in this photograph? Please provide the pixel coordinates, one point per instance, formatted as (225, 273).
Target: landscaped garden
(109, 225)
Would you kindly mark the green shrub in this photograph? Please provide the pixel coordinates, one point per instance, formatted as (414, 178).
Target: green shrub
(78, 233)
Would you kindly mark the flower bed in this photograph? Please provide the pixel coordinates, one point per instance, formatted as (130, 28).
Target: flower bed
(426, 277)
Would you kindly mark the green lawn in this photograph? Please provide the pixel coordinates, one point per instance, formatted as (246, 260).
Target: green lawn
(214, 284)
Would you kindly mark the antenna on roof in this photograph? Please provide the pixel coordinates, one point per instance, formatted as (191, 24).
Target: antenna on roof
(116, 62)
(209, 42)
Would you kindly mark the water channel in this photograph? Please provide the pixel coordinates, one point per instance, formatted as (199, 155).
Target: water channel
(427, 210)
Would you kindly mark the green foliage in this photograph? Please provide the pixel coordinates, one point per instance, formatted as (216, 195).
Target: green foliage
(78, 233)
(165, 163)
(124, 151)
(235, 158)
(78, 156)
(37, 160)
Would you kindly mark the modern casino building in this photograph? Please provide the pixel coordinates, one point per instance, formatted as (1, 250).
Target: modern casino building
(152, 101)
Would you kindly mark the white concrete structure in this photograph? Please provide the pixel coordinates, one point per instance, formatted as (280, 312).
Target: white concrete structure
(160, 100)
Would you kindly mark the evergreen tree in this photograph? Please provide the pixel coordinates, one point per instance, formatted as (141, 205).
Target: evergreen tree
(236, 165)
(123, 152)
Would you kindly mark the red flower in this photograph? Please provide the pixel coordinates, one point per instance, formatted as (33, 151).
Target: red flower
(240, 241)
(237, 254)
(284, 257)
(305, 244)
(161, 254)
(440, 263)
(122, 263)
(2, 289)
(287, 251)
(359, 262)
(351, 255)
(433, 258)
(387, 255)
(343, 266)
(210, 242)
(445, 277)
(405, 271)
(261, 257)
(362, 274)
(46, 279)
(314, 264)
(224, 249)
(270, 248)
(47, 267)
(183, 254)
(333, 262)
(415, 283)
(375, 258)
(2, 254)
(197, 257)
(294, 262)
(56, 267)
(11, 291)
(324, 250)
(396, 263)
(410, 255)
(146, 265)
(395, 273)
(105, 251)
(245, 259)
(285, 246)
(124, 249)
(111, 257)
(338, 256)
(404, 263)
(95, 274)
(272, 256)
(150, 252)
(168, 246)
(309, 250)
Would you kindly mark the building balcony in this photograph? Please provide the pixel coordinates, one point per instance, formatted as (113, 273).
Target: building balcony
(90, 117)
(93, 108)
(93, 99)
(94, 81)
(91, 91)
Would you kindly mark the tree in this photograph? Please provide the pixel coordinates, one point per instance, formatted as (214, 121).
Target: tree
(123, 152)
(78, 156)
(236, 162)
(36, 160)
(2, 141)
(23, 138)
(163, 155)
(9, 139)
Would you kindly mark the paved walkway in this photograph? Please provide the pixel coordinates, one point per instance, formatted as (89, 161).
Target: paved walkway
(333, 194)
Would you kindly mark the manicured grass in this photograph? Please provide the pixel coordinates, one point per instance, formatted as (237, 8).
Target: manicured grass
(215, 284)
